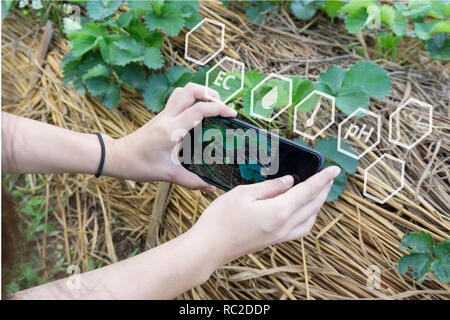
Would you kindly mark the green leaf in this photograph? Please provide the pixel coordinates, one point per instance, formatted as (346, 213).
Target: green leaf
(355, 5)
(387, 14)
(99, 70)
(107, 49)
(300, 89)
(418, 243)
(132, 75)
(191, 16)
(131, 46)
(83, 43)
(199, 77)
(423, 30)
(441, 266)
(145, 5)
(97, 86)
(400, 26)
(348, 99)
(178, 75)
(6, 5)
(155, 92)
(332, 7)
(256, 13)
(252, 78)
(170, 20)
(111, 97)
(371, 77)
(304, 9)
(98, 10)
(153, 58)
(125, 18)
(333, 78)
(438, 47)
(355, 21)
(328, 148)
(419, 262)
(338, 185)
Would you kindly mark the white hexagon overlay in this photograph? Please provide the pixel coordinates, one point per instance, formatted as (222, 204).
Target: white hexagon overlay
(402, 179)
(353, 114)
(430, 123)
(333, 99)
(252, 99)
(222, 41)
(242, 67)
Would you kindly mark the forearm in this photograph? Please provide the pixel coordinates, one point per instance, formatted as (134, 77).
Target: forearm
(30, 146)
(160, 273)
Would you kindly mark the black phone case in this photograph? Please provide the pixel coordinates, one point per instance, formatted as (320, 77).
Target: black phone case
(269, 135)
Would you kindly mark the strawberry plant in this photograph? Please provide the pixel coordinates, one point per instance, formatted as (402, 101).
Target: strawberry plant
(352, 89)
(120, 45)
(424, 254)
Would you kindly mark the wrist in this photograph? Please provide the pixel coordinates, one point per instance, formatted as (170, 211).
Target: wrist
(112, 156)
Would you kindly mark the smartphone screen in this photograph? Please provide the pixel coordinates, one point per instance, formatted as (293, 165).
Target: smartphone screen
(229, 152)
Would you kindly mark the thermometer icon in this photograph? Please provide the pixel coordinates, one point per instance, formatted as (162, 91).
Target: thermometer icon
(311, 119)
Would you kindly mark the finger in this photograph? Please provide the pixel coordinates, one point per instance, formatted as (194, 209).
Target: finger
(191, 116)
(303, 193)
(191, 180)
(302, 230)
(310, 209)
(183, 98)
(269, 188)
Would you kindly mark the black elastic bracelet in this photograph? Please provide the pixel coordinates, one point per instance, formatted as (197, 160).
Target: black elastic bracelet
(102, 159)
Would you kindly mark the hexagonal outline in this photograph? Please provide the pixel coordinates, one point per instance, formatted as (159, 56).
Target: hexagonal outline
(377, 116)
(213, 68)
(333, 100)
(222, 41)
(252, 93)
(430, 122)
(402, 179)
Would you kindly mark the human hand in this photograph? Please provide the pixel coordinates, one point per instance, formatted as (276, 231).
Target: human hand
(251, 217)
(146, 154)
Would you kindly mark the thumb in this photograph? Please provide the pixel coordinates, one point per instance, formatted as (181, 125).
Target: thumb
(191, 180)
(271, 188)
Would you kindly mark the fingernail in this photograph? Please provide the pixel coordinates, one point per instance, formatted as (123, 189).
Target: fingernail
(336, 171)
(288, 181)
(233, 113)
(210, 188)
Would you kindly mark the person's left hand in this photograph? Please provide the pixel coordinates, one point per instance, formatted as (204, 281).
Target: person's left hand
(146, 154)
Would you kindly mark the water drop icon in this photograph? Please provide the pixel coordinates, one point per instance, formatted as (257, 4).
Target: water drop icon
(270, 98)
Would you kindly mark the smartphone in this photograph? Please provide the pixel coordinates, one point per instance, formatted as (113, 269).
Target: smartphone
(228, 152)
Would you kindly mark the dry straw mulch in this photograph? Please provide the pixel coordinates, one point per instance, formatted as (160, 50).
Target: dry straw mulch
(107, 218)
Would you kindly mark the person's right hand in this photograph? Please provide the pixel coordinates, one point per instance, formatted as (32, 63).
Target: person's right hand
(251, 217)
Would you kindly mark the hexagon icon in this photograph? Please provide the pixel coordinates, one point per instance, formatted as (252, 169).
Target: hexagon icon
(359, 133)
(204, 41)
(227, 78)
(418, 117)
(271, 97)
(384, 178)
(315, 111)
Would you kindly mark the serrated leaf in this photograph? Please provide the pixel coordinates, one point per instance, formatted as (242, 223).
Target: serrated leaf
(132, 75)
(107, 50)
(252, 78)
(139, 4)
(125, 18)
(6, 6)
(97, 86)
(177, 75)
(189, 13)
(83, 43)
(338, 185)
(98, 10)
(99, 70)
(130, 45)
(111, 97)
(304, 9)
(400, 26)
(371, 77)
(387, 14)
(348, 99)
(438, 47)
(155, 92)
(328, 148)
(441, 266)
(418, 243)
(419, 262)
(199, 76)
(153, 58)
(357, 20)
(300, 89)
(170, 20)
(257, 12)
(333, 78)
